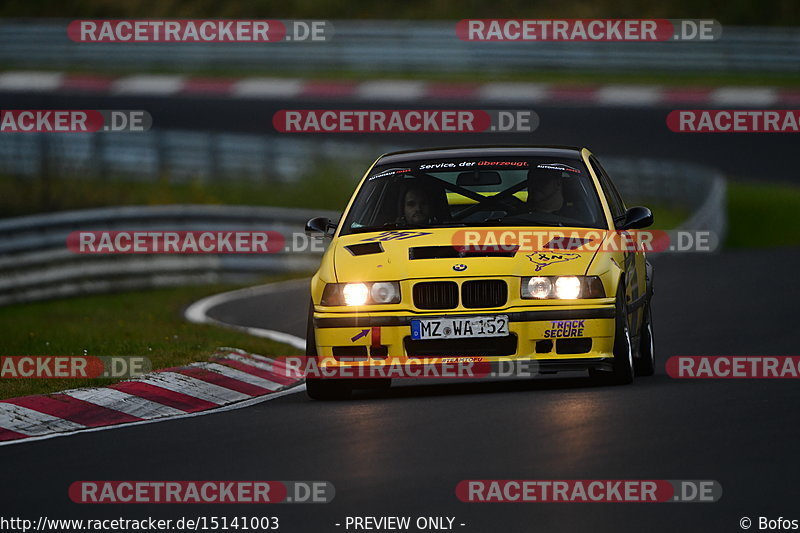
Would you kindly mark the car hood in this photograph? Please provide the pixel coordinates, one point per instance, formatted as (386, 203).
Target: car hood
(428, 253)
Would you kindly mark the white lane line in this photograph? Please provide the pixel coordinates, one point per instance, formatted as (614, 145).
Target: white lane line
(515, 92)
(197, 312)
(148, 84)
(238, 375)
(30, 422)
(391, 90)
(31, 81)
(744, 96)
(278, 336)
(124, 403)
(196, 388)
(267, 87)
(629, 95)
(229, 407)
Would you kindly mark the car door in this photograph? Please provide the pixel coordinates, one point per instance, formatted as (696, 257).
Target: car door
(634, 260)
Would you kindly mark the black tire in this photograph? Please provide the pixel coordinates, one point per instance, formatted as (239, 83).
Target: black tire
(317, 388)
(645, 365)
(622, 374)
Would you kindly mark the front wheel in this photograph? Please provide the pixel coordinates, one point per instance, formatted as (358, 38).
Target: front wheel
(622, 374)
(322, 389)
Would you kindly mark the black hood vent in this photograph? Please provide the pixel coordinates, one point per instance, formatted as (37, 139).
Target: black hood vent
(450, 252)
(366, 248)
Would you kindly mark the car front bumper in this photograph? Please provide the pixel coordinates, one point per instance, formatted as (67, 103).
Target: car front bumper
(556, 338)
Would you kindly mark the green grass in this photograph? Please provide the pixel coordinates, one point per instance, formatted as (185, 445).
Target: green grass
(665, 218)
(762, 215)
(143, 323)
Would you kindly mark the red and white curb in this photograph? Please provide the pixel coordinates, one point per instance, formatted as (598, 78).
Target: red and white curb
(397, 90)
(230, 380)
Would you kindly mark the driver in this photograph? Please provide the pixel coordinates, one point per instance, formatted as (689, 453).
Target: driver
(417, 208)
(547, 196)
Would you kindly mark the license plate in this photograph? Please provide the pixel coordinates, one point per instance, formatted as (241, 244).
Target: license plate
(459, 328)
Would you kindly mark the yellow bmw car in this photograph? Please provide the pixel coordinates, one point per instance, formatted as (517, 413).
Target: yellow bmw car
(489, 254)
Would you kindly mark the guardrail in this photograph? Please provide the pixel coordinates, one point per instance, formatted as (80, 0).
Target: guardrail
(35, 263)
(405, 46)
(178, 155)
(698, 189)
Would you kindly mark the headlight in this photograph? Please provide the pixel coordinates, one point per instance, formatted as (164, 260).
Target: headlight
(385, 292)
(568, 287)
(561, 287)
(539, 287)
(356, 294)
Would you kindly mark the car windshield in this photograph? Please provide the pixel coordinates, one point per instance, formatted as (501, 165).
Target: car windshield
(492, 191)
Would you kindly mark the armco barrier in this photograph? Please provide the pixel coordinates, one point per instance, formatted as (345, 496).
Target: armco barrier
(35, 263)
(177, 154)
(405, 46)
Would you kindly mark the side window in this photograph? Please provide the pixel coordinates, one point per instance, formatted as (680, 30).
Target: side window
(614, 199)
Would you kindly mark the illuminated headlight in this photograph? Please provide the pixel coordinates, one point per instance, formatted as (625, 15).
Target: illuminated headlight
(561, 287)
(356, 294)
(568, 287)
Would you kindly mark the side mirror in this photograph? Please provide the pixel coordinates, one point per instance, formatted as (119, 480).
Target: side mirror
(636, 218)
(321, 225)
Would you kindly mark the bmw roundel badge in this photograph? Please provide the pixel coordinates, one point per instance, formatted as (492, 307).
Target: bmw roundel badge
(460, 267)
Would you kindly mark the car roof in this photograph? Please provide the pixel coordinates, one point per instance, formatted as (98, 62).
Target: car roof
(480, 151)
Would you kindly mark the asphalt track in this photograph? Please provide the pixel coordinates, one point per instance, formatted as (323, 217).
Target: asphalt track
(402, 451)
(630, 131)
